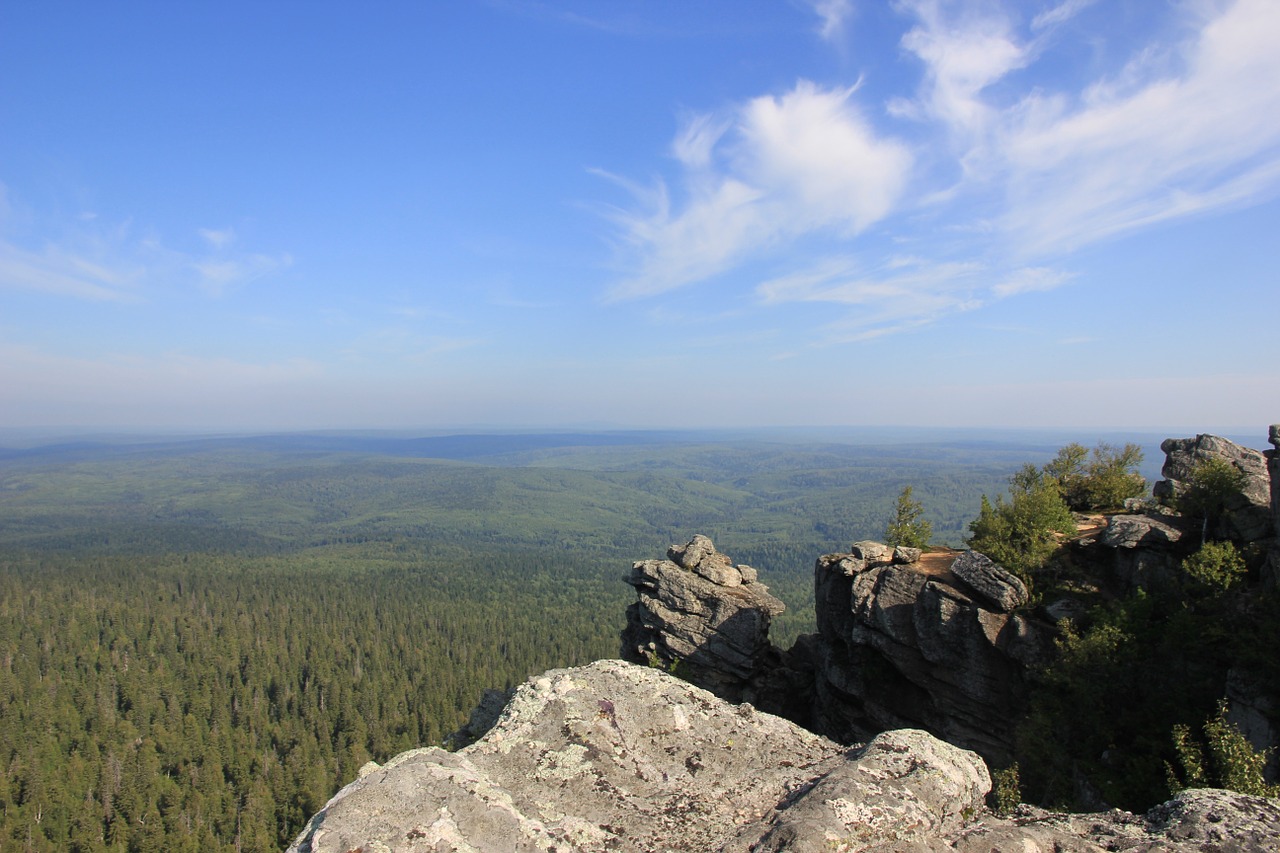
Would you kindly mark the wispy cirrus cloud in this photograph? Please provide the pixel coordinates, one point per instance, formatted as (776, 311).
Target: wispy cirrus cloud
(1150, 145)
(833, 15)
(61, 272)
(900, 294)
(108, 262)
(986, 134)
(1060, 14)
(781, 167)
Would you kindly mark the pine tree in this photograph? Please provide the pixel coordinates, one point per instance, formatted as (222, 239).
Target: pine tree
(908, 528)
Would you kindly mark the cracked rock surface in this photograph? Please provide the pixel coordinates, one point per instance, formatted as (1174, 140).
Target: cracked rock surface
(618, 757)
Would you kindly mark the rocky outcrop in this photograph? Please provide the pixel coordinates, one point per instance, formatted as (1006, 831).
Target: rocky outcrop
(897, 648)
(699, 614)
(994, 586)
(1248, 515)
(1140, 551)
(616, 757)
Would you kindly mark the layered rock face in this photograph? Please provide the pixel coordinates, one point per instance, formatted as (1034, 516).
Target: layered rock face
(1248, 516)
(699, 614)
(617, 757)
(897, 648)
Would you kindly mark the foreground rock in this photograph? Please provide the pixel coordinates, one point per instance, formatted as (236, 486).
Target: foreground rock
(616, 757)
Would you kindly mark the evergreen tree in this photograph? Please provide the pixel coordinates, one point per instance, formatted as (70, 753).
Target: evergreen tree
(908, 528)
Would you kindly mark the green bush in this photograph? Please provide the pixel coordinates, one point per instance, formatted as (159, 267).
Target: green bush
(1023, 533)
(1211, 486)
(1006, 790)
(1215, 568)
(1232, 762)
(1103, 480)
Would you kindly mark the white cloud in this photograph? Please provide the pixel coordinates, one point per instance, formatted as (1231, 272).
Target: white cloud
(814, 150)
(61, 273)
(217, 275)
(1030, 280)
(1150, 145)
(219, 239)
(1060, 14)
(906, 293)
(961, 59)
(697, 139)
(790, 165)
(100, 261)
(1012, 164)
(833, 14)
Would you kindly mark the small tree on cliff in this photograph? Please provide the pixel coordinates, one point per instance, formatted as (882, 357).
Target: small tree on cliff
(908, 528)
(1024, 532)
(1211, 487)
(1101, 480)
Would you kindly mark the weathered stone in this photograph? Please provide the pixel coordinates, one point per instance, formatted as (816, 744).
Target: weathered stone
(874, 553)
(905, 554)
(899, 649)
(1250, 709)
(608, 756)
(700, 556)
(620, 758)
(1248, 515)
(992, 582)
(1065, 608)
(904, 786)
(1145, 531)
(716, 633)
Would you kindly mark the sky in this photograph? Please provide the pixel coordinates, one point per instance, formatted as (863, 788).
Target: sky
(640, 213)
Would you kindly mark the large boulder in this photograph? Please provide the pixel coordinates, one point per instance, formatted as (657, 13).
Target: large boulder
(993, 583)
(620, 758)
(609, 756)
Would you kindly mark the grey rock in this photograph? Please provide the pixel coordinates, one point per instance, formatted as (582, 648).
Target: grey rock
(1250, 709)
(699, 555)
(1140, 531)
(717, 634)
(992, 582)
(899, 649)
(608, 756)
(904, 554)
(1248, 514)
(873, 553)
(905, 787)
(1066, 608)
(615, 757)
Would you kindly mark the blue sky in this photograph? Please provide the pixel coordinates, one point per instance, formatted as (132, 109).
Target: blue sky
(640, 213)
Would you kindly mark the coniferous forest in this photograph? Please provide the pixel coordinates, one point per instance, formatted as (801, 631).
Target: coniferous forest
(201, 641)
